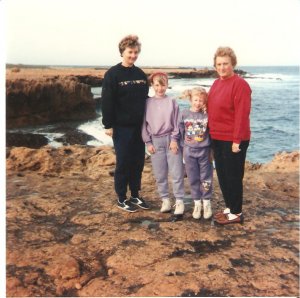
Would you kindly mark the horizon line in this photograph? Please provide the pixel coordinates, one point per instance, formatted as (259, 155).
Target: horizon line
(145, 66)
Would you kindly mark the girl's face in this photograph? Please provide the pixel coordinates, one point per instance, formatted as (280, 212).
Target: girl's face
(129, 56)
(224, 67)
(159, 89)
(197, 102)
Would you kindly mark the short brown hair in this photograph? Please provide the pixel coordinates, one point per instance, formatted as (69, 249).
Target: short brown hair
(129, 41)
(225, 51)
(162, 78)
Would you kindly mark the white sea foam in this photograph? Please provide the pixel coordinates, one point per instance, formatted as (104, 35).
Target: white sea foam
(95, 129)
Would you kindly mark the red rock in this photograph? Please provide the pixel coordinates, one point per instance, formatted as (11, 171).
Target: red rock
(40, 101)
(65, 232)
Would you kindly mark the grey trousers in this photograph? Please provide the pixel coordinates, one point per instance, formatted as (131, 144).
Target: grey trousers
(199, 171)
(165, 162)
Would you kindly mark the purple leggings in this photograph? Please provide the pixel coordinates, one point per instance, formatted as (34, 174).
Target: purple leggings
(199, 171)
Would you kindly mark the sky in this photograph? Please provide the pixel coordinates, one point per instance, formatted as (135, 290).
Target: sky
(172, 32)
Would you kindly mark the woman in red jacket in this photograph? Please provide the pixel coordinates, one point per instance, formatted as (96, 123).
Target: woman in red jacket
(229, 104)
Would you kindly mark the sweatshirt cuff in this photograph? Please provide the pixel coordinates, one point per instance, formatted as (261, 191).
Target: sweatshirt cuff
(237, 141)
(107, 126)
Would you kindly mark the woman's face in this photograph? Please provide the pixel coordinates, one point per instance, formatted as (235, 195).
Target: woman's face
(224, 67)
(159, 89)
(130, 55)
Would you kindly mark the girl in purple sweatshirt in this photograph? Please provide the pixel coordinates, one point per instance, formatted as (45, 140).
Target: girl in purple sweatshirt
(196, 151)
(160, 132)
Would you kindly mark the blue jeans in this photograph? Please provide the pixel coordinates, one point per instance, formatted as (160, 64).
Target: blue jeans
(130, 158)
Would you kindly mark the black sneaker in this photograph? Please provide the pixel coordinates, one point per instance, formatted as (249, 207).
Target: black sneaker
(139, 202)
(126, 206)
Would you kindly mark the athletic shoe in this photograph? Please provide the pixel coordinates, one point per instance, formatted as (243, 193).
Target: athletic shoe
(126, 206)
(166, 205)
(207, 213)
(197, 209)
(140, 202)
(179, 207)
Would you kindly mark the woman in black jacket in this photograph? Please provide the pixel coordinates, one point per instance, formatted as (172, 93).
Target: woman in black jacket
(124, 93)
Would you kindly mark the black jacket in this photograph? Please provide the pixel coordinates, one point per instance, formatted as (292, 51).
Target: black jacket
(124, 93)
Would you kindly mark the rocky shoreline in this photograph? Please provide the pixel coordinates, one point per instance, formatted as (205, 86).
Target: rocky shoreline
(65, 237)
(40, 95)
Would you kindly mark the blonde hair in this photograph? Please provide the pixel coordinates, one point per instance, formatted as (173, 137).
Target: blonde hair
(225, 51)
(189, 93)
(162, 78)
(129, 41)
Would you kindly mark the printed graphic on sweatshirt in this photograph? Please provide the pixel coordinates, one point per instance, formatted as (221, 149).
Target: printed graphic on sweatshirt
(206, 184)
(195, 130)
(133, 82)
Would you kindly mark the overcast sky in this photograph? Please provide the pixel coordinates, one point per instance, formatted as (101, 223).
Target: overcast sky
(172, 32)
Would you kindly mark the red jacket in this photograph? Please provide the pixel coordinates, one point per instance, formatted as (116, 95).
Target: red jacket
(229, 104)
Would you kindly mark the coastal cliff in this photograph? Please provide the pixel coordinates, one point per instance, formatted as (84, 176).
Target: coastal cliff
(44, 100)
(65, 236)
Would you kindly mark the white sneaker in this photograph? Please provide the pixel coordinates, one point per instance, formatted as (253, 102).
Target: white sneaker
(197, 209)
(207, 213)
(166, 205)
(179, 207)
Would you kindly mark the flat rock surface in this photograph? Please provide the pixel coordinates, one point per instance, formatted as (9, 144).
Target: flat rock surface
(65, 236)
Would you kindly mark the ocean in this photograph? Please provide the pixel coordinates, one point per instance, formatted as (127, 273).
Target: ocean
(274, 113)
(274, 110)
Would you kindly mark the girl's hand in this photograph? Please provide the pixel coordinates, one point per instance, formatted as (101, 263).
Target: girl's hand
(109, 132)
(151, 149)
(173, 147)
(236, 148)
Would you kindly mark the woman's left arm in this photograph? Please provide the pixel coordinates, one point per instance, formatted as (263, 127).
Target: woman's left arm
(242, 107)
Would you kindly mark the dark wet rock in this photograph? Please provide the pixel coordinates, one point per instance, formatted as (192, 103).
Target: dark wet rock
(241, 262)
(201, 73)
(75, 137)
(98, 101)
(47, 100)
(93, 81)
(204, 293)
(28, 140)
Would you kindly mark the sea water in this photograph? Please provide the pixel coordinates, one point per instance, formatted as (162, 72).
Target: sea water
(274, 112)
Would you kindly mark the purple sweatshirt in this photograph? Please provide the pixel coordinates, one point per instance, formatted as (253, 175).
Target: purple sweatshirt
(161, 119)
(193, 129)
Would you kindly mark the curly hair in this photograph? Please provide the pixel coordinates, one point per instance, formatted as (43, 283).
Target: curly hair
(129, 41)
(225, 51)
(162, 78)
(189, 93)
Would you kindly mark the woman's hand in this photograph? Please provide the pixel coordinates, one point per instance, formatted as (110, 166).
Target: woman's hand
(109, 132)
(173, 147)
(151, 149)
(236, 148)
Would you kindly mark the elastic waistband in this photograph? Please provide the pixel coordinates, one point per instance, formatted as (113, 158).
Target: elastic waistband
(158, 137)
